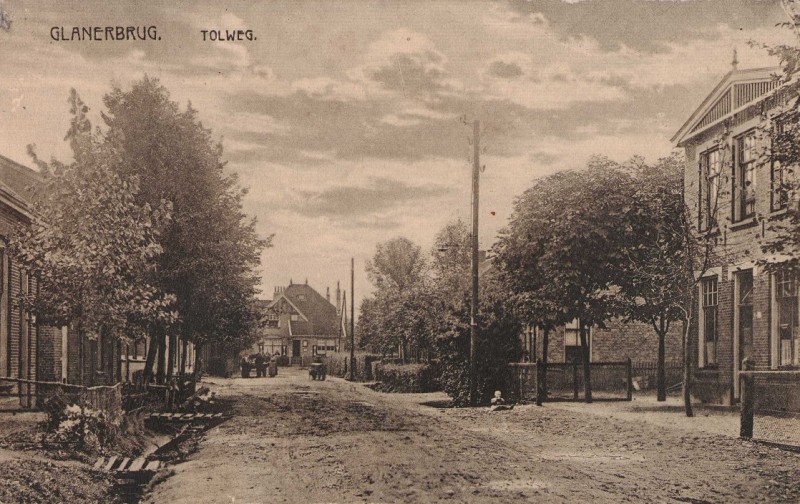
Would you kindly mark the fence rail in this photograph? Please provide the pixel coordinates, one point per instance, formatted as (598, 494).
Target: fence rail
(564, 381)
(18, 393)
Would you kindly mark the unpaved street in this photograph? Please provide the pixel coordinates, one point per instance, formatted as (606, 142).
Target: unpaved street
(295, 440)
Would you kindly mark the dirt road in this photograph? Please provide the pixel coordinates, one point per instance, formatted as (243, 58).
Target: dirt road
(294, 440)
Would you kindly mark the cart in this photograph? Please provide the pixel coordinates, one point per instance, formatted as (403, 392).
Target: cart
(317, 371)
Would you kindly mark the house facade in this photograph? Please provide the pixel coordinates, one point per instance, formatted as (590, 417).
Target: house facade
(744, 309)
(29, 350)
(617, 342)
(301, 323)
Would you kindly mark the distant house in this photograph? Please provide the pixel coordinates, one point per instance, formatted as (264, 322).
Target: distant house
(301, 323)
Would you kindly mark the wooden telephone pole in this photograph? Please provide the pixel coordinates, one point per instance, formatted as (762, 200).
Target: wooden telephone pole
(473, 308)
(352, 319)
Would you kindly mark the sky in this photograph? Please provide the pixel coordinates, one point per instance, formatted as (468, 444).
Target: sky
(350, 121)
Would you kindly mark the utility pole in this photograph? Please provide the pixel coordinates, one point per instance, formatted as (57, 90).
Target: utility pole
(473, 308)
(352, 319)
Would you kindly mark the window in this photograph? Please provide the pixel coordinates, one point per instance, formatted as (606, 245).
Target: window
(744, 191)
(572, 341)
(294, 317)
(778, 183)
(786, 298)
(710, 302)
(710, 170)
(324, 346)
(272, 320)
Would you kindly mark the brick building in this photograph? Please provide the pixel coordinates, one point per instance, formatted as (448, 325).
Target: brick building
(26, 352)
(617, 342)
(743, 309)
(301, 323)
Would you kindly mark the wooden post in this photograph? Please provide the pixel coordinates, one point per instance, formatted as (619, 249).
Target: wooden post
(747, 382)
(630, 379)
(541, 372)
(352, 319)
(575, 387)
(473, 306)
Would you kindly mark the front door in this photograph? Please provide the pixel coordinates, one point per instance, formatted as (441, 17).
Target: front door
(296, 348)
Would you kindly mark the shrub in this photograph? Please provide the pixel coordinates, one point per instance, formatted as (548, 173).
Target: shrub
(407, 377)
(86, 426)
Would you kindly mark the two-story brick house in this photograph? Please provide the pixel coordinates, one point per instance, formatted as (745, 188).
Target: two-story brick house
(743, 308)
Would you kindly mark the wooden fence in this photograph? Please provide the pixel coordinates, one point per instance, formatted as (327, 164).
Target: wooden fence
(564, 381)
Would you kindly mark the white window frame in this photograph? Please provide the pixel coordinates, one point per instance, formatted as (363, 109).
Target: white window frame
(775, 336)
(576, 326)
(701, 322)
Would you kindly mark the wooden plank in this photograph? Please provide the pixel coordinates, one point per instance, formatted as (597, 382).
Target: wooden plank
(100, 462)
(122, 465)
(137, 464)
(110, 464)
(153, 465)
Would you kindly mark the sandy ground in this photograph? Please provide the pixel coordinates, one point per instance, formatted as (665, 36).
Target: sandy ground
(294, 440)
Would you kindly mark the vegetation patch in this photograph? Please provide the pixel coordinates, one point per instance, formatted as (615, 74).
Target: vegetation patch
(407, 378)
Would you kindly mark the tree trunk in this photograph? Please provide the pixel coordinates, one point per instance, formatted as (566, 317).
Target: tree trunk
(184, 351)
(152, 348)
(587, 381)
(687, 369)
(171, 354)
(162, 357)
(198, 352)
(661, 374)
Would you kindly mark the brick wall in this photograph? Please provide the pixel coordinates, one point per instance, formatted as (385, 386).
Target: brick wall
(619, 341)
(49, 364)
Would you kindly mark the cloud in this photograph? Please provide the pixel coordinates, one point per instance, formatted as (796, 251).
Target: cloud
(505, 70)
(380, 194)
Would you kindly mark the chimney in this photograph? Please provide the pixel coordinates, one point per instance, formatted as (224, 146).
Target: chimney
(338, 296)
(328, 294)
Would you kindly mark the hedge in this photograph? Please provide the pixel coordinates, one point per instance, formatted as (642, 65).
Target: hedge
(407, 377)
(337, 364)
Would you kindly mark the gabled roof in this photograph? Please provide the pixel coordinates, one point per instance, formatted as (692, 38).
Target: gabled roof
(282, 297)
(316, 315)
(20, 178)
(737, 90)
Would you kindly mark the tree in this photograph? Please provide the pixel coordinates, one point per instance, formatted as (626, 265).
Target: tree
(498, 342)
(92, 245)
(210, 248)
(398, 264)
(655, 276)
(564, 245)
